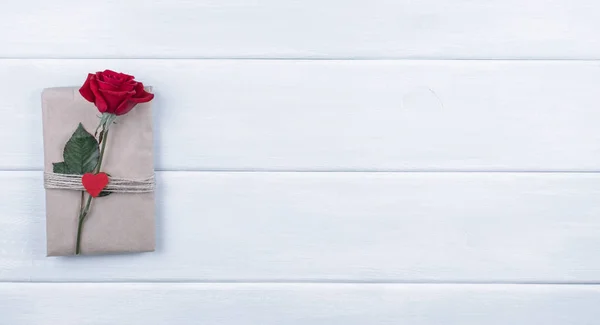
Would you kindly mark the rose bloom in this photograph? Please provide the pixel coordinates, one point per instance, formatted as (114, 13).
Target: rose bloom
(114, 92)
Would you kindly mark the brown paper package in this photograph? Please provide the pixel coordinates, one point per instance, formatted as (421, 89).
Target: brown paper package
(117, 223)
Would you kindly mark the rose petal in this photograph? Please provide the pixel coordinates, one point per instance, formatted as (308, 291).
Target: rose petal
(86, 91)
(145, 99)
(110, 74)
(99, 76)
(125, 107)
(116, 87)
(128, 86)
(98, 99)
(130, 82)
(121, 77)
(126, 77)
(141, 95)
(110, 77)
(114, 99)
(107, 85)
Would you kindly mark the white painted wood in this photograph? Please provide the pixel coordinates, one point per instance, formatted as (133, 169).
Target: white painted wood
(337, 115)
(367, 227)
(337, 247)
(562, 29)
(297, 304)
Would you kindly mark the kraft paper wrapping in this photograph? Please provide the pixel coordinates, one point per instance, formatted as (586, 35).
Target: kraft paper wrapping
(120, 222)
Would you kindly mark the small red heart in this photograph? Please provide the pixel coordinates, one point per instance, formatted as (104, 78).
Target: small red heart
(94, 183)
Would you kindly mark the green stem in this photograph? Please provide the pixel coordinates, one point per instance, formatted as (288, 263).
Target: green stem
(82, 216)
(81, 201)
(104, 138)
(77, 248)
(84, 211)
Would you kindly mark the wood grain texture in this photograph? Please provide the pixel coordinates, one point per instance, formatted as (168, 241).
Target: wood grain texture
(365, 227)
(328, 191)
(298, 304)
(337, 115)
(559, 29)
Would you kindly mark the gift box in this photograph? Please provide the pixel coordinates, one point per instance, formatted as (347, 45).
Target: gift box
(121, 220)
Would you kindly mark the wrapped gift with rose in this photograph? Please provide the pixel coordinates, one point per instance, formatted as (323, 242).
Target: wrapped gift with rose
(98, 166)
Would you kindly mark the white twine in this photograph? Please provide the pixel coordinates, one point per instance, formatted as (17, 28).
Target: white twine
(117, 185)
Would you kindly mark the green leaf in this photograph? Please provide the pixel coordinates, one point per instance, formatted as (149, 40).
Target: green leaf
(81, 152)
(60, 168)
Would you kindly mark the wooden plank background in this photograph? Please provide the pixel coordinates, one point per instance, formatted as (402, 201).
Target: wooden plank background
(338, 115)
(299, 304)
(323, 162)
(364, 227)
(293, 29)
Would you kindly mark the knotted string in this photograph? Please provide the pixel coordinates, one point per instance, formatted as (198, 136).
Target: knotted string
(117, 185)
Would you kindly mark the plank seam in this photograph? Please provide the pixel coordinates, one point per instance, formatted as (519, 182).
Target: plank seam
(407, 59)
(313, 282)
(349, 171)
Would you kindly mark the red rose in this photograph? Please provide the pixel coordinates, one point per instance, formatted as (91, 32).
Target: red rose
(114, 92)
